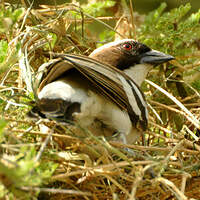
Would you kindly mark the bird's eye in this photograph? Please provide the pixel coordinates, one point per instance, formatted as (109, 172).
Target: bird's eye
(127, 46)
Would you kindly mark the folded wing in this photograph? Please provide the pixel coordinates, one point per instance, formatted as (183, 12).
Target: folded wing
(109, 81)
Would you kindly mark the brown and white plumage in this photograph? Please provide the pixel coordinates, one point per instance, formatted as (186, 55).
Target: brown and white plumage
(99, 88)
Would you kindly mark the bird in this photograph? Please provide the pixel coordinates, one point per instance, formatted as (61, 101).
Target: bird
(99, 91)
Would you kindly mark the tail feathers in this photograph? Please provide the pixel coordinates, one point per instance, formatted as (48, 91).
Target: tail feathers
(61, 112)
(35, 113)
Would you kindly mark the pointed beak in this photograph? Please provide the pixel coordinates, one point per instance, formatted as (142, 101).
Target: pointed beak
(155, 57)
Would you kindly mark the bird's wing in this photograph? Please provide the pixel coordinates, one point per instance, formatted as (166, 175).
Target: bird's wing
(50, 71)
(111, 82)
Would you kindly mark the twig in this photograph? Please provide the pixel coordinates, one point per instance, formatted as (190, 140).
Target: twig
(195, 54)
(167, 140)
(138, 179)
(160, 105)
(155, 113)
(185, 176)
(106, 25)
(168, 107)
(43, 134)
(117, 184)
(55, 191)
(36, 123)
(149, 148)
(102, 169)
(186, 142)
(19, 145)
(187, 114)
(190, 132)
(132, 19)
(44, 144)
(172, 133)
(170, 185)
(166, 161)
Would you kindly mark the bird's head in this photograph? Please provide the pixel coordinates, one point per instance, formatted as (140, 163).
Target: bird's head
(135, 58)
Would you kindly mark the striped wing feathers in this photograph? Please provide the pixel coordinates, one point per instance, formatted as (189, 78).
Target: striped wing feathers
(111, 82)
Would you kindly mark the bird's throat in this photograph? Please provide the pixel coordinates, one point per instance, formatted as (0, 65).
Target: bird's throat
(138, 72)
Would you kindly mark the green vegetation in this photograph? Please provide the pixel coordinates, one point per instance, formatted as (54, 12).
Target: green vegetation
(56, 164)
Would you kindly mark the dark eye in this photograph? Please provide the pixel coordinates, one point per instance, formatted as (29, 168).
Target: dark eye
(127, 46)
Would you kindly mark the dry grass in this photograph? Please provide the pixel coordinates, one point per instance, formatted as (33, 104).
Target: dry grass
(165, 164)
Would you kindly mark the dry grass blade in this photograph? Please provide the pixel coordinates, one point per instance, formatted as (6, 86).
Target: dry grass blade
(55, 163)
(170, 185)
(56, 191)
(188, 114)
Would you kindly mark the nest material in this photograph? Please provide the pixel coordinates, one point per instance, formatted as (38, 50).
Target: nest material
(165, 167)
